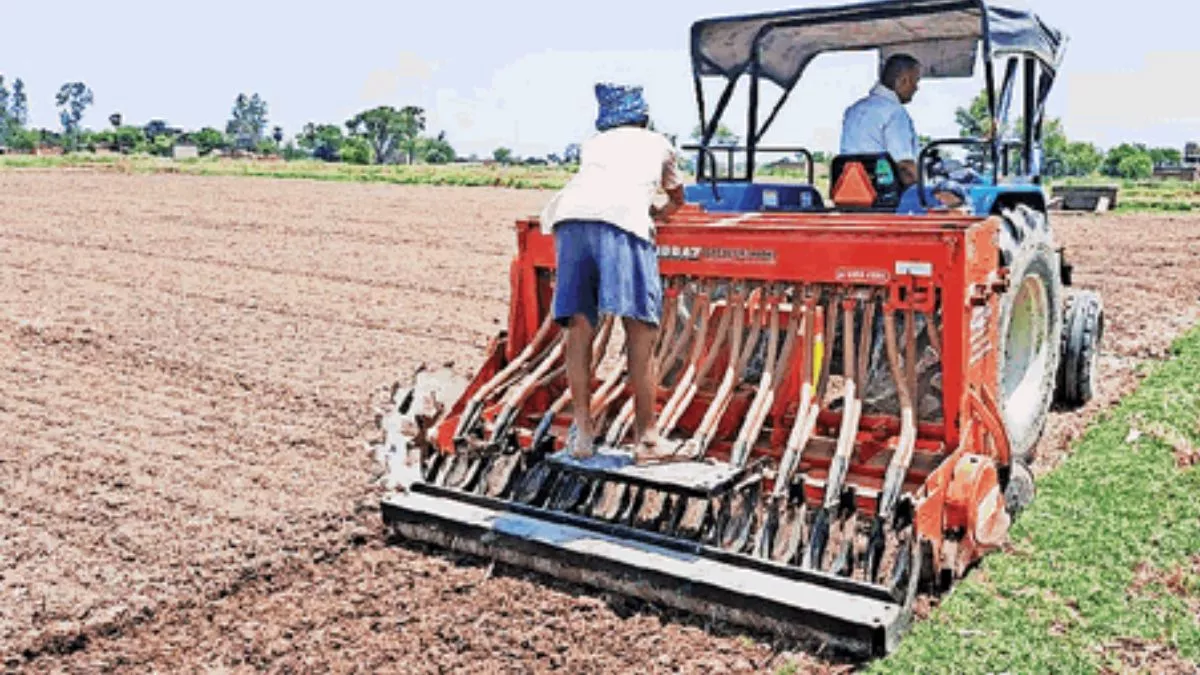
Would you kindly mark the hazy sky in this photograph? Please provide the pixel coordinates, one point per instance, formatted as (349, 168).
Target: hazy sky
(520, 73)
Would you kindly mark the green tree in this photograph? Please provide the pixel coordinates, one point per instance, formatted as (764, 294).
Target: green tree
(267, 147)
(723, 136)
(414, 125)
(22, 139)
(388, 130)
(291, 153)
(974, 121)
(322, 141)
(1166, 156)
(129, 139)
(1083, 159)
(572, 154)
(162, 145)
(1136, 166)
(436, 150)
(72, 100)
(209, 139)
(503, 155)
(356, 150)
(5, 125)
(18, 111)
(1112, 160)
(105, 138)
(248, 121)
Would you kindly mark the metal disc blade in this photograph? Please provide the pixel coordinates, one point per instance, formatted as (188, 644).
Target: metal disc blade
(842, 545)
(694, 519)
(569, 492)
(454, 470)
(531, 488)
(654, 505)
(498, 479)
(789, 536)
(764, 540)
(739, 519)
(611, 500)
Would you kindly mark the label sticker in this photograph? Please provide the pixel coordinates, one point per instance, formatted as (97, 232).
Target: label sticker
(913, 269)
(862, 275)
(738, 255)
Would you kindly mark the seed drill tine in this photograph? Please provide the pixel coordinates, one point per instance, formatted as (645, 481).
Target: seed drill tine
(734, 527)
(815, 551)
(705, 357)
(758, 308)
(665, 423)
(810, 401)
(777, 504)
(700, 440)
(693, 336)
(678, 347)
(669, 346)
(764, 398)
(789, 548)
(736, 303)
(843, 564)
(670, 317)
(470, 414)
(897, 470)
(599, 348)
(517, 397)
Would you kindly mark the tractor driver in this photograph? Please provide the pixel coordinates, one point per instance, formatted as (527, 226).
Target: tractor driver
(879, 122)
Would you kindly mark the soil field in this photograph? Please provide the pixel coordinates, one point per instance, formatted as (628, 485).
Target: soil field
(189, 369)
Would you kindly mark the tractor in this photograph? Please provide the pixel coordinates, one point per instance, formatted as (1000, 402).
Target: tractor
(853, 383)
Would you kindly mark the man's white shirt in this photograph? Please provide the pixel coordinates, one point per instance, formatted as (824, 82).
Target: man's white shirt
(879, 123)
(620, 172)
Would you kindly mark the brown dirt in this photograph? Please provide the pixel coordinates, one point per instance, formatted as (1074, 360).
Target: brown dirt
(1146, 269)
(190, 367)
(1144, 656)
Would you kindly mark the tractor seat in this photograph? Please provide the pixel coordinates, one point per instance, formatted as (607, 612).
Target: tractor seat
(866, 182)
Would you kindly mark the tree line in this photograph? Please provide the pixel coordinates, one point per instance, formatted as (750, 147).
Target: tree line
(390, 135)
(380, 135)
(1064, 157)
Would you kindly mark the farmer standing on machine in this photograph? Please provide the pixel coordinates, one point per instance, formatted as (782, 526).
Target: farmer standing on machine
(603, 226)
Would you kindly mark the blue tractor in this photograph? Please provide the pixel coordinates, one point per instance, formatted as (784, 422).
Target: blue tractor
(1050, 336)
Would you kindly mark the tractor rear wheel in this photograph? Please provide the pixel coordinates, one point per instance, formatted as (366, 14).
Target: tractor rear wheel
(1030, 328)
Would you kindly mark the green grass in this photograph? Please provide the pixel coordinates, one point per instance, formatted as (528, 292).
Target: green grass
(490, 176)
(1135, 196)
(1067, 587)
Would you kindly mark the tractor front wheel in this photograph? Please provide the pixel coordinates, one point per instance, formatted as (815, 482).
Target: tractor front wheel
(1083, 328)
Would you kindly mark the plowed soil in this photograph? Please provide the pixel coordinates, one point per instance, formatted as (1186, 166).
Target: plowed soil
(189, 369)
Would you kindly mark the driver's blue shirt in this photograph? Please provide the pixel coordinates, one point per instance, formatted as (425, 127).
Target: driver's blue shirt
(879, 123)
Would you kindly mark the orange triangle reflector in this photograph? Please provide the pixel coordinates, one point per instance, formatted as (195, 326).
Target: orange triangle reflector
(854, 187)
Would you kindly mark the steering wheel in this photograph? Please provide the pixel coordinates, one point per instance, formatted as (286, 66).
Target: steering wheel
(936, 170)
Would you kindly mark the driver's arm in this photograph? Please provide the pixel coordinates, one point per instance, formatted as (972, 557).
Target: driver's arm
(900, 139)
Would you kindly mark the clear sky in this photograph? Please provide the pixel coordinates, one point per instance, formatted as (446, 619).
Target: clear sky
(520, 73)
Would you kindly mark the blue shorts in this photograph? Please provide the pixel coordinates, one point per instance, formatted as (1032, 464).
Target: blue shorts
(603, 269)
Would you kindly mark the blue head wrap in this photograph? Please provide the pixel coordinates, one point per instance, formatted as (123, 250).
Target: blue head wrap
(620, 105)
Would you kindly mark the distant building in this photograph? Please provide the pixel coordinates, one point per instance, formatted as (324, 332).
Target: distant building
(1188, 172)
(1191, 154)
(185, 151)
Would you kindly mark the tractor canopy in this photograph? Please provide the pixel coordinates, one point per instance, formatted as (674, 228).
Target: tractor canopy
(948, 37)
(945, 35)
